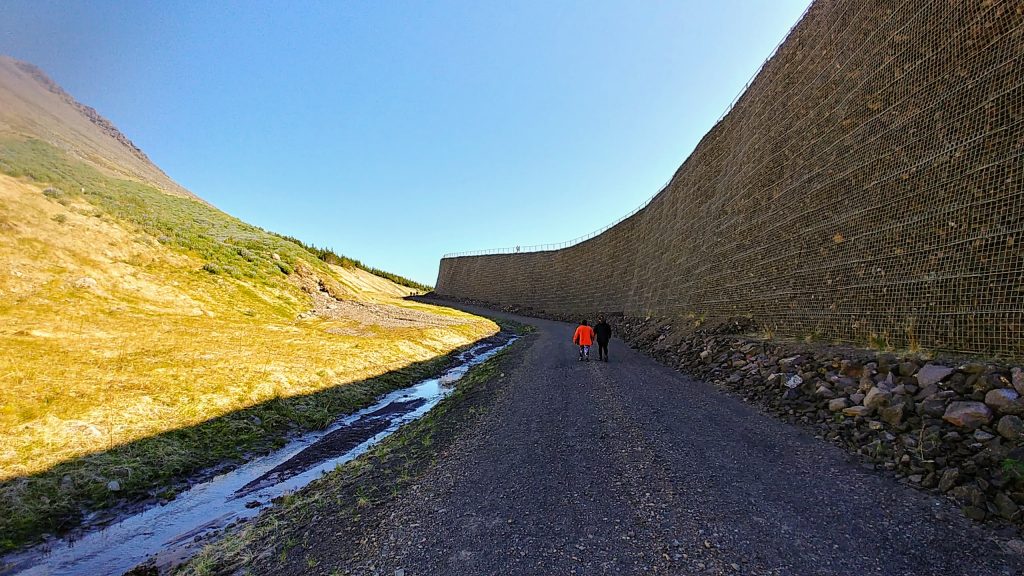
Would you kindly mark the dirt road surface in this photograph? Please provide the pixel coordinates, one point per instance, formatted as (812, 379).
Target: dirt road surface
(629, 467)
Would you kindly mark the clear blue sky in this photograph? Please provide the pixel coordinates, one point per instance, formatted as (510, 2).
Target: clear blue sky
(397, 131)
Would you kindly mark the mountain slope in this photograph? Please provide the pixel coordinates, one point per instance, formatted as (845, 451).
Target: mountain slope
(147, 335)
(34, 105)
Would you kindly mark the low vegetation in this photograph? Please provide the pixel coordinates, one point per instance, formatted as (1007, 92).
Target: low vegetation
(238, 249)
(331, 257)
(147, 336)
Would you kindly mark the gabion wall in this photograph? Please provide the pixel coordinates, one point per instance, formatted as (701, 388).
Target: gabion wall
(867, 187)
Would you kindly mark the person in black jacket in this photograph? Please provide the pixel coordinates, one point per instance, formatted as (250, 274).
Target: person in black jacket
(604, 333)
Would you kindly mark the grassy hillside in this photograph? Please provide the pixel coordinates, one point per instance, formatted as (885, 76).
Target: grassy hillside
(229, 245)
(147, 335)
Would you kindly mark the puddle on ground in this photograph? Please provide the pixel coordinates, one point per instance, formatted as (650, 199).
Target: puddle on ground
(170, 533)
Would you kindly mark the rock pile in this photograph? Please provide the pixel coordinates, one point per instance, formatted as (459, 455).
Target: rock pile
(952, 427)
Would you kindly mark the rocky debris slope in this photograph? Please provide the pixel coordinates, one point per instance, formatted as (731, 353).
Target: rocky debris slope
(333, 302)
(941, 425)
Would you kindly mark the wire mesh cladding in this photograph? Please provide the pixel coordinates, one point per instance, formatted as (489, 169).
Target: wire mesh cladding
(866, 187)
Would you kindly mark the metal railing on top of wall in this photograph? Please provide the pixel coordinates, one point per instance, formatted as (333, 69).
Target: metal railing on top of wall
(558, 245)
(585, 237)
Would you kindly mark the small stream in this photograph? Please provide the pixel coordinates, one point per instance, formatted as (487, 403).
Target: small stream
(170, 533)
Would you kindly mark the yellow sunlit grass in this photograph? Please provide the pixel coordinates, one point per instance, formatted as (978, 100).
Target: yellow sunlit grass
(73, 386)
(108, 336)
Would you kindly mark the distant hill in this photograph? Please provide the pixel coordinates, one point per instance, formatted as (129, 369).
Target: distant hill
(138, 322)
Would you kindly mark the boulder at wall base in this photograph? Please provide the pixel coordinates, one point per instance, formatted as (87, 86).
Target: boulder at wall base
(892, 415)
(838, 404)
(1006, 507)
(1005, 401)
(856, 411)
(1010, 427)
(967, 414)
(933, 374)
(950, 477)
(969, 494)
(933, 407)
(877, 398)
(906, 368)
(974, 513)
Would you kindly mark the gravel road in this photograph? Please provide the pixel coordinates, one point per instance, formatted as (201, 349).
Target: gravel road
(628, 467)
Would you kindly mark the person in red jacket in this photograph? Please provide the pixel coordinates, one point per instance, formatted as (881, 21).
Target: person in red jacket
(584, 338)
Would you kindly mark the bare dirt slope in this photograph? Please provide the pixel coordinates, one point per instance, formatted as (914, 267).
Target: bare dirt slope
(631, 468)
(363, 285)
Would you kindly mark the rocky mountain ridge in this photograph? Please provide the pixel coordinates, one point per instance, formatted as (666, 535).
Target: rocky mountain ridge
(36, 107)
(89, 112)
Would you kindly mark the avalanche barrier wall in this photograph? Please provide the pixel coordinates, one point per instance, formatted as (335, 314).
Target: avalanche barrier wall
(866, 187)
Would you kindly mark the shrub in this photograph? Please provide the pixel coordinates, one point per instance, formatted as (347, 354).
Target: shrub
(52, 192)
(1014, 468)
(60, 218)
(211, 268)
(246, 254)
